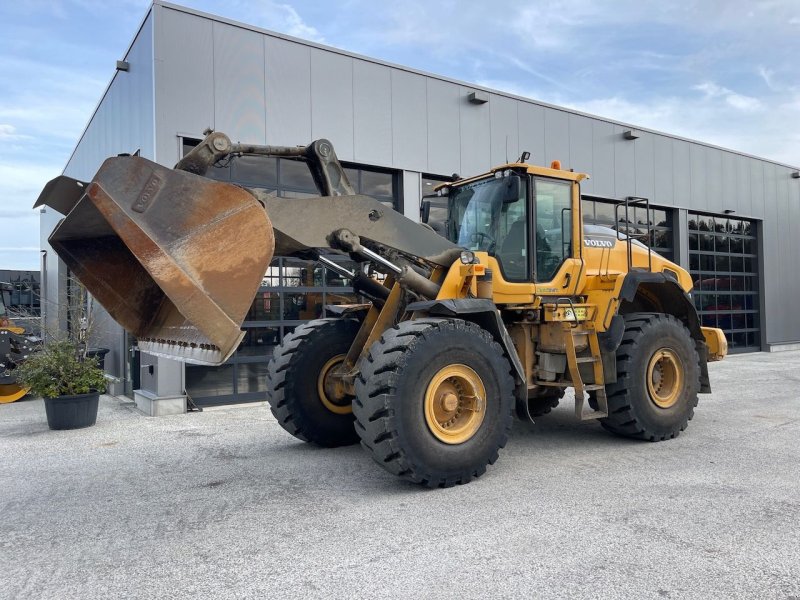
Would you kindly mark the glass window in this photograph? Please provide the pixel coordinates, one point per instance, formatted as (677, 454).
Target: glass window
(258, 171)
(553, 226)
(374, 183)
(491, 215)
(295, 174)
(259, 341)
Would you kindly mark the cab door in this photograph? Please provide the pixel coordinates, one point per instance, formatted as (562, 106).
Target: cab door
(557, 264)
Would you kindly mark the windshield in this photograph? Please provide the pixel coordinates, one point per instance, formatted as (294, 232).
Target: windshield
(491, 215)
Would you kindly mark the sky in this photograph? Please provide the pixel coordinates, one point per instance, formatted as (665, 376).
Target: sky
(724, 72)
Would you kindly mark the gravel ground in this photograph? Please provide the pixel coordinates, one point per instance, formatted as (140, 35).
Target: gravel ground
(225, 504)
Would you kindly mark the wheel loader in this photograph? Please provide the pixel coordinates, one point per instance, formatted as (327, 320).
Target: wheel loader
(15, 346)
(460, 332)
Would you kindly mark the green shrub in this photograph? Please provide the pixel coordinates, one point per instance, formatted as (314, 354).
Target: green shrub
(57, 369)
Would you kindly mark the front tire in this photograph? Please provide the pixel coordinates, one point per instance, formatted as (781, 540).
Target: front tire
(658, 379)
(301, 398)
(434, 401)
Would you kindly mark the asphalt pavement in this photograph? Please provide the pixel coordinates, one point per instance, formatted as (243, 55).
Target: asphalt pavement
(225, 504)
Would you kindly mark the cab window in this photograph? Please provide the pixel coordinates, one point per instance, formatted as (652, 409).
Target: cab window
(553, 201)
(491, 215)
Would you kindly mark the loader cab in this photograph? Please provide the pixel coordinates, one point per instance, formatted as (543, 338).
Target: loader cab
(524, 219)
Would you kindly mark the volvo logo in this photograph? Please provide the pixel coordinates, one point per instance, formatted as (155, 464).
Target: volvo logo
(598, 243)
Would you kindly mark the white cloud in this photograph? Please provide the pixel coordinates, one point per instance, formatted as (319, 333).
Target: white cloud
(738, 101)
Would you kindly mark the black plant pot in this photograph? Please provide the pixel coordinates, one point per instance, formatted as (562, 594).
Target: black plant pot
(72, 412)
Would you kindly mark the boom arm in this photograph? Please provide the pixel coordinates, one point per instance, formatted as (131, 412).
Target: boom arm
(327, 171)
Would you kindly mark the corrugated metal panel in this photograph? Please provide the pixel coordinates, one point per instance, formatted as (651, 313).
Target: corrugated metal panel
(531, 131)
(409, 120)
(475, 135)
(556, 136)
(185, 90)
(789, 311)
(603, 137)
(743, 185)
(757, 188)
(697, 165)
(505, 129)
(444, 137)
(681, 170)
(771, 269)
(624, 164)
(662, 154)
(239, 98)
(372, 113)
(729, 192)
(786, 261)
(288, 92)
(332, 100)
(580, 148)
(714, 181)
(645, 175)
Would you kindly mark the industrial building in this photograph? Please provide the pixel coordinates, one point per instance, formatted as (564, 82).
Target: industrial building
(731, 219)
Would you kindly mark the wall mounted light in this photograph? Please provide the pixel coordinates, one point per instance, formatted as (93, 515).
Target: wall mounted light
(123, 65)
(729, 211)
(478, 97)
(796, 175)
(631, 134)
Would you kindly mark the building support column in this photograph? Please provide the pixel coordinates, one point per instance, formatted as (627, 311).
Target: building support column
(412, 192)
(680, 237)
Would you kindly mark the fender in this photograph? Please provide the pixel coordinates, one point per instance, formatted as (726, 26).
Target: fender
(480, 311)
(660, 292)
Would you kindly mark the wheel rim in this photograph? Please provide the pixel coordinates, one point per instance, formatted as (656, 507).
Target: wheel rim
(331, 389)
(664, 378)
(455, 404)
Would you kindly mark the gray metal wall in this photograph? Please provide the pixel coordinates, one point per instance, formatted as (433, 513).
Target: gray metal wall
(123, 122)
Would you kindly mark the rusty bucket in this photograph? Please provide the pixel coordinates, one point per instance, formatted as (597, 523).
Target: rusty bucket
(174, 258)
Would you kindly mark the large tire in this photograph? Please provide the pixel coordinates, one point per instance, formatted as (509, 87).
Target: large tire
(658, 378)
(415, 401)
(541, 405)
(294, 372)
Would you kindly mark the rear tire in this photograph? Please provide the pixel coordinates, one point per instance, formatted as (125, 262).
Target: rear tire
(294, 390)
(418, 404)
(658, 378)
(541, 405)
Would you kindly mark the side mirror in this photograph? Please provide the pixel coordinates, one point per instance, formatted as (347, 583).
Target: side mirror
(425, 211)
(511, 193)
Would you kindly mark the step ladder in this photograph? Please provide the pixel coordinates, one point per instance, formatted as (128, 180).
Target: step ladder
(573, 335)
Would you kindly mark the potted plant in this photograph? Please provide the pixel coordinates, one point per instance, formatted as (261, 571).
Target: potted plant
(63, 371)
(69, 382)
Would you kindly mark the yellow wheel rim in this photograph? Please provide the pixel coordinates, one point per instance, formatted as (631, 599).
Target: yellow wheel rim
(455, 404)
(331, 389)
(11, 392)
(664, 378)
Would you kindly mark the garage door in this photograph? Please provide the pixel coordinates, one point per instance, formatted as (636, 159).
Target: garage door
(723, 262)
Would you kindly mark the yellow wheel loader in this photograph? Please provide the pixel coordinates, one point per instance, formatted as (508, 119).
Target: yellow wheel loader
(516, 302)
(15, 346)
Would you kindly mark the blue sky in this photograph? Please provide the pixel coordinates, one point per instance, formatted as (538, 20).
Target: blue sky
(720, 71)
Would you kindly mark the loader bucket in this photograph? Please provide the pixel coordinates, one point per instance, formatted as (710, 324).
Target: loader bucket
(174, 258)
